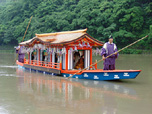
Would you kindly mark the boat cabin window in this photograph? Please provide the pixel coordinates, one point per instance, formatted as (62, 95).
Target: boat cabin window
(45, 56)
(34, 55)
(55, 58)
(79, 59)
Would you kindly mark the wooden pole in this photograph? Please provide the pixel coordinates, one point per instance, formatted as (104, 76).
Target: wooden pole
(24, 35)
(109, 55)
(27, 28)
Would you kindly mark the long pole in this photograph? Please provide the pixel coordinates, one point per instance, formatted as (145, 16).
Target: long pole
(109, 55)
(27, 28)
(24, 35)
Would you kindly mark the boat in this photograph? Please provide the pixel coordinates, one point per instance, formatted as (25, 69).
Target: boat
(64, 54)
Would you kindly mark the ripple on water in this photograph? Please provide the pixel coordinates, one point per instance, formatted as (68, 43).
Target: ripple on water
(3, 110)
(3, 66)
(8, 75)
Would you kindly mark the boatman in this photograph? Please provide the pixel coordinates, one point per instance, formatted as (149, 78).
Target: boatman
(108, 49)
(20, 54)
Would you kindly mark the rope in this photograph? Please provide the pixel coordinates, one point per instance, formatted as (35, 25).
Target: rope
(109, 55)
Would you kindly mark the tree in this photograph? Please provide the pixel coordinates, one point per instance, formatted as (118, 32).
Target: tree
(126, 20)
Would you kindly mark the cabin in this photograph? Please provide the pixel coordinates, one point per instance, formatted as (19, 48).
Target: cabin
(59, 51)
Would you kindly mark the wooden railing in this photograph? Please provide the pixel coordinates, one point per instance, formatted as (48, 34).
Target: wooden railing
(52, 65)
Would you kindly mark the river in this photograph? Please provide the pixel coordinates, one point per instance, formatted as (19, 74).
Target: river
(24, 92)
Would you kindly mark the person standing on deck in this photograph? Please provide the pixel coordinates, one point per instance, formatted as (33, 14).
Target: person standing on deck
(108, 49)
(20, 54)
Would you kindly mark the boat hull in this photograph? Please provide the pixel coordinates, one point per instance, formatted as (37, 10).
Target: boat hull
(107, 75)
(99, 74)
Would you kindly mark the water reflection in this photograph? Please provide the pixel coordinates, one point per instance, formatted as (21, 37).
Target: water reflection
(82, 96)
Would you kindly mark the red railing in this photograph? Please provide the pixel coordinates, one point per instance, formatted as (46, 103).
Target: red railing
(95, 65)
(52, 65)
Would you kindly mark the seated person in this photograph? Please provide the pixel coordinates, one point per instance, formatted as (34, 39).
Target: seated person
(76, 58)
(80, 63)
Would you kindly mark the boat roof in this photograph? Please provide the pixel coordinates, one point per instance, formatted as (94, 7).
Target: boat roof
(66, 37)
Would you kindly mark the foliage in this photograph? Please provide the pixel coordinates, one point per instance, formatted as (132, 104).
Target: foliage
(131, 51)
(126, 20)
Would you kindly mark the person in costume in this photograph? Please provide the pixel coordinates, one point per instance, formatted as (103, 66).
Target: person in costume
(80, 63)
(108, 49)
(76, 58)
(20, 54)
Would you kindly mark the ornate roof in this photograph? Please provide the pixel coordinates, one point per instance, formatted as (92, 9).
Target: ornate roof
(66, 38)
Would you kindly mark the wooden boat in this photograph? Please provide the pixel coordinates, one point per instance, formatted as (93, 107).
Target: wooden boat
(65, 53)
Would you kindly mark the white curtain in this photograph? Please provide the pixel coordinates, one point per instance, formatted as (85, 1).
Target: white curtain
(87, 58)
(30, 57)
(53, 57)
(41, 54)
(63, 61)
(70, 60)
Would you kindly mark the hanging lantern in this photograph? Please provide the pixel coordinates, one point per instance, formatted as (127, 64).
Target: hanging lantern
(35, 46)
(83, 44)
(88, 45)
(75, 48)
(71, 50)
(54, 50)
(64, 50)
(80, 45)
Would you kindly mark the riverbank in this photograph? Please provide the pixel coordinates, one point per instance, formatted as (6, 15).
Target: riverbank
(7, 49)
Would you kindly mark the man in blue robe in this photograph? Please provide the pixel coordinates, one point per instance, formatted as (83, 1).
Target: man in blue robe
(108, 49)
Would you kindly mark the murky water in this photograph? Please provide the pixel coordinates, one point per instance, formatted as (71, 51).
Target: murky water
(22, 92)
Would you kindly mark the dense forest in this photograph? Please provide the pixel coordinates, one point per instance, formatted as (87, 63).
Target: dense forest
(126, 20)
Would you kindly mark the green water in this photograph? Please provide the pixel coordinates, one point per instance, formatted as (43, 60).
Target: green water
(24, 92)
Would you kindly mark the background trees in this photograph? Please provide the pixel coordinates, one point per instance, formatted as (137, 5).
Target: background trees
(126, 20)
